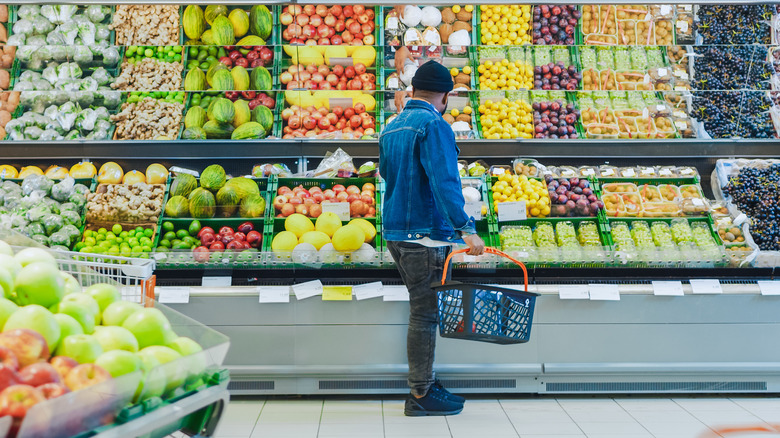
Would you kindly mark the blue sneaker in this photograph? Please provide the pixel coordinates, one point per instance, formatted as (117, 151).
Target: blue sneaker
(435, 403)
(437, 386)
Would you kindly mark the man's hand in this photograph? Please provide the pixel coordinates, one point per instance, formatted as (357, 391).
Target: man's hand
(401, 55)
(475, 244)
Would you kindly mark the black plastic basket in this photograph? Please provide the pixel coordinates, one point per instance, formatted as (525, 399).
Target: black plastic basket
(485, 313)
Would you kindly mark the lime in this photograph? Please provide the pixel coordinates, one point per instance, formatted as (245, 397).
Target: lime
(165, 243)
(181, 234)
(136, 249)
(146, 248)
(89, 233)
(125, 251)
(117, 229)
(137, 229)
(110, 236)
(145, 241)
(148, 53)
(175, 242)
(90, 241)
(133, 242)
(148, 232)
(100, 237)
(170, 235)
(194, 228)
(102, 231)
(79, 246)
(86, 249)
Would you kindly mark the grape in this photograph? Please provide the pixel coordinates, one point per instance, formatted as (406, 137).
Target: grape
(566, 234)
(621, 236)
(588, 58)
(754, 191)
(544, 235)
(639, 58)
(681, 231)
(734, 24)
(702, 236)
(606, 60)
(622, 59)
(516, 237)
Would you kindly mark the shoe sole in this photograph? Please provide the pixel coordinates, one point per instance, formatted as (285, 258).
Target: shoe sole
(431, 413)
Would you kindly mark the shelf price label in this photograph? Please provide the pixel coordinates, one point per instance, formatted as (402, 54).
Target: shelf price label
(337, 293)
(174, 295)
(574, 292)
(341, 209)
(395, 293)
(368, 290)
(512, 211)
(307, 290)
(769, 287)
(474, 209)
(216, 281)
(705, 286)
(604, 292)
(273, 294)
(668, 288)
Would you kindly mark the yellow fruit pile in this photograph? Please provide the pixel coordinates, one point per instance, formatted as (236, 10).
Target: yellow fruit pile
(506, 119)
(516, 188)
(505, 25)
(506, 75)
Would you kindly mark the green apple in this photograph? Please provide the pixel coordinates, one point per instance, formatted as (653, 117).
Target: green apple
(153, 382)
(85, 301)
(104, 294)
(84, 316)
(175, 372)
(81, 348)
(6, 249)
(6, 282)
(116, 313)
(150, 327)
(10, 263)
(71, 284)
(38, 319)
(68, 325)
(119, 362)
(29, 256)
(112, 337)
(189, 348)
(7, 307)
(39, 283)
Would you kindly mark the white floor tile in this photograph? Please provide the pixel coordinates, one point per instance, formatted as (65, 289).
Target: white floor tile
(291, 429)
(558, 428)
(702, 404)
(595, 416)
(767, 415)
(757, 403)
(351, 430)
(622, 428)
(239, 418)
(680, 416)
(540, 405)
(640, 405)
(553, 436)
(687, 429)
(726, 417)
(620, 435)
(417, 428)
(538, 417)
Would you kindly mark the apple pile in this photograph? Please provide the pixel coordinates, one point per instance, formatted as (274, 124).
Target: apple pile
(323, 26)
(308, 202)
(244, 237)
(58, 338)
(254, 98)
(322, 77)
(572, 197)
(311, 122)
(248, 57)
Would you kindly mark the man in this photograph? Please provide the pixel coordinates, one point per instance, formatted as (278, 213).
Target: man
(422, 217)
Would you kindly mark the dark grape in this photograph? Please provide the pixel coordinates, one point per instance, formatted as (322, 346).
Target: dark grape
(734, 24)
(754, 191)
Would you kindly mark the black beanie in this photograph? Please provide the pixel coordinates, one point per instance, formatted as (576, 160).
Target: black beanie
(433, 76)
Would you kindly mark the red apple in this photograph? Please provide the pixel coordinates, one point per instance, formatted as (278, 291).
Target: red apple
(335, 10)
(240, 236)
(347, 11)
(342, 197)
(354, 28)
(302, 209)
(309, 10)
(8, 377)
(347, 37)
(85, 375)
(357, 208)
(339, 188)
(207, 239)
(242, 62)
(329, 194)
(356, 84)
(205, 230)
(321, 10)
(227, 61)
(368, 40)
(8, 359)
(367, 28)
(286, 18)
(369, 86)
(285, 78)
(360, 108)
(294, 122)
(302, 20)
(368, 199)
(309, 123)
(16, 400)
(217, 246)
(355, 121)
(358, 9)
(368, 123)
(254, 238)
(363, 18)
(323, 123)
(63, 365)
(315, 20)
(226, 230)
(353, 190)
(53, 390)
(323, 31)
(38, 374)
(28, 346)
(200, 254)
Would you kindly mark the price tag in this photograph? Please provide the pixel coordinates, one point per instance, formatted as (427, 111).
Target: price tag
(607, 172)
(217, 281)
(681, 125)
(392, 83)
(474, 209)
(662, 72)
(368, 290)
(392, 23)
(706, 286)
(337, 293)
(604, 292)
(395, 293)
(307, 290)
(574, 292)
(512, 211)
(769, 287)
(176, 169)
(668, 288)
(666, 9)
(629, 173)
(499, 171)
(697, 202)
(665, 172)
(682, 26)
(174, 295)
(341, 209)
(588, 172)
(411, 36)
(273, 294)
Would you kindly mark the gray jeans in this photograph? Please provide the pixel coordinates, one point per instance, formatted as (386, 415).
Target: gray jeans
(420, 266)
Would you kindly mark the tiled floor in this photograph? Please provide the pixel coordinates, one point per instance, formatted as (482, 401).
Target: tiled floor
(523, 417)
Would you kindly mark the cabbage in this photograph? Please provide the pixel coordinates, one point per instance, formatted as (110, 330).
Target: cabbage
(58, 14)
(85, 98)
(72, 135)
(71, 231)
(37, 213)
(16, 40)
(430, 16)
(78, 199)
(87, 33)
(41, 25)
(69, 32)
(23, 27)
(60, 239)
(69, 206)
(28, 11)
(63, 189)
(102, 32)
(33, 133)
(50, 73)
(25, 53)
(96, 13)
(83, 55)
(71, 217)
(67, 115)
(88, 84)
(102, 114)
(101, 76)
(36, 40)
(69, 70)
(110, 56)
(49, 135)
(59, 54)
(85, 121)
(102, 125)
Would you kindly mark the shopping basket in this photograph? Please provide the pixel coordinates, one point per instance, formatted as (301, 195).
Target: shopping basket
(485, 313)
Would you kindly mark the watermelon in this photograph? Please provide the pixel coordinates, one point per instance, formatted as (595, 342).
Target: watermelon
(243, 113)
(195, 80)
(222, 110)
(217, 66)
(202, 204)
(213, 178)
(248, 131)
(214, 11)
(183, 185)
(222, 31)
(260, 79)
(243, 186)
(227, 201)
(253, 206)
(263, 115)
(223, 81)
(240, 78)
(177, 206)
(260, 21)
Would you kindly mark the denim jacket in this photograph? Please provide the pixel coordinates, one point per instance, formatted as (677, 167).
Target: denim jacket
(418, 159)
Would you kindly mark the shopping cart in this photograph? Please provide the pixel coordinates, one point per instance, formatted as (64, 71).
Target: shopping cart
(485, 313)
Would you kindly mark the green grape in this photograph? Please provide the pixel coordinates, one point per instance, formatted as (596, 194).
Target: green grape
(516, 237)
(622, 59)
(561, 54)
(588, 58)
(662, 235)
(544, 234)
(702, 236)
(589, 234)
(566, 234)
(641, 234)
(606, 60)
(639, 58)
(681, 231)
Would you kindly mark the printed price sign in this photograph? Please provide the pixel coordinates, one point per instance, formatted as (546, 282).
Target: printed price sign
(337, 293)
(574, 292)
(474, 209)
(668, 288)
(512, 211)
(174, 295)
(273, 294)
(307, 290)
(368, 290)
(769, 287)
(341, 209)
(706, 286)
(396, 293)
(216, 281)
(604, 292)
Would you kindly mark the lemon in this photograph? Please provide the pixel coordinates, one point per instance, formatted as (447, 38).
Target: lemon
(468, 8)
(456, 9)
(467, 110)
(454, 71)
(467, 70)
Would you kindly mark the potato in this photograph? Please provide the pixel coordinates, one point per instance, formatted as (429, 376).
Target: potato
(447, 16)
(448, 118)
(463, 118)
(13, 99)
(5, 80)
(464, 15)
(462, 78)
(5, 117)
(3, 14)
(6, 61)
(3, 34)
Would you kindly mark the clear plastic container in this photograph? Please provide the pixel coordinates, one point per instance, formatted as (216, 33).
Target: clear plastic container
(669, 192)
(588, 234)
(681, 231)
(516, 237)
(620, 188)
(608, 171)
(601, 131)
(587, 171)
(664, 127)
(628, 172)
(566, 172)
(661, 209)
(688, 172)
(621, 236)
(499, 170)
(544, 235)
(613, 204)
(667, 171)
(649, 193)
(526, 166)
(688, 191)
(647, 172)
(719, 209)
(694, 206)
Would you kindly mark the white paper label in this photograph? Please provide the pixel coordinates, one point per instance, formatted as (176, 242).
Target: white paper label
(682, 26)
(393, 83)
(273, 294)
(681, 125)
(395, 293)
(680, 88)
(697, 202)
(684, 76)
(411, 36)
(665, 172)
(668, 288)
(499, 171)
(574, 292)
(604, 292)
(341, 209)
(706, 286)
(686, 171)
(512, 211)
(368, 290)
(307, 290)
(769, 287)
(588, 172)
(608, 172)
(392, 23)
(474, 209)
(679, 114)
(666, 9)
(629, 172)
(174, 295)
(216, 281)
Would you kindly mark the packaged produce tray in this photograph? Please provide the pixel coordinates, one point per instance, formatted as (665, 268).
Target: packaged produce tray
(612, 30)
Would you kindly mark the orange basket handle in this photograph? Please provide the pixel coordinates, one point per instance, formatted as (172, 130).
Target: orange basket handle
(489, 251)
